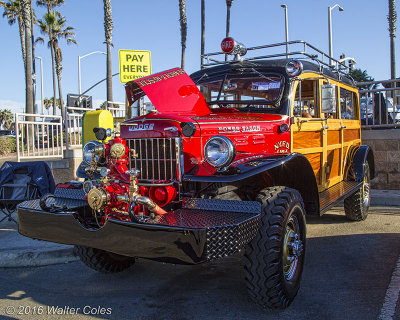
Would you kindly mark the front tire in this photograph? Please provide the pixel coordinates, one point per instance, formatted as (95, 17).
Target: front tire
(274, 259)
(357, 205)
(103, 261)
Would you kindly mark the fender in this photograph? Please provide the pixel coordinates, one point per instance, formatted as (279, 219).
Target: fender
(293, 170)
(364, 153)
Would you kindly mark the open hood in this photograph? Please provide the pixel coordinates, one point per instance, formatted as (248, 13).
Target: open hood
(171, 91)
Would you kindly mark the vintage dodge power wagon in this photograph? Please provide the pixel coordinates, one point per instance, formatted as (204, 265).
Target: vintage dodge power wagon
(233, 159)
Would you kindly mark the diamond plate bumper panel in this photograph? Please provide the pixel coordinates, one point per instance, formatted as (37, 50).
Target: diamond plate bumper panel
(202, 230)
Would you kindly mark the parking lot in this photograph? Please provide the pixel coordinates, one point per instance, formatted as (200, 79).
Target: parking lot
(348, 273)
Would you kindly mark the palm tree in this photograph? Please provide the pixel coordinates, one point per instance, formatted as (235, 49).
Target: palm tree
(228, 20)
(183, 22)
(203, 27)
(6, 119)
(49, 5)
(45, 28)
(61, 32)
(108, 27)
(54, 28)
(26, 18)
(48, 103)
(392, 17)
(13, 12)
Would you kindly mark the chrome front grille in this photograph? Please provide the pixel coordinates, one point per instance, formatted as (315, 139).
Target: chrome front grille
(158, 159)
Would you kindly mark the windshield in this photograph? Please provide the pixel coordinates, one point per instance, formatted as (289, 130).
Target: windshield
(261, 92)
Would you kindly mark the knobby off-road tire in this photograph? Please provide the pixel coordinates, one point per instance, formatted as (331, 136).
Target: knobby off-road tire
(357, 205)
(274, 258)
(103, 261)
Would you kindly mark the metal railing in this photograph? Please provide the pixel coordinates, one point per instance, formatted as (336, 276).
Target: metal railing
(73, 126)
(379, 104)
(38, 136)
(293, 49)
(116, 108)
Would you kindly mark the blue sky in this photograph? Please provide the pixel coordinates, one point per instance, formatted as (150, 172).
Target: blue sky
(360, 31)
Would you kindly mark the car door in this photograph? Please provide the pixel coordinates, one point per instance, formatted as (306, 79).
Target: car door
(333, 135)
(350, 119)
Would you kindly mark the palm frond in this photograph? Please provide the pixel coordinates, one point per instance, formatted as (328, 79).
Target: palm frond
(70, 41)
(39, 40)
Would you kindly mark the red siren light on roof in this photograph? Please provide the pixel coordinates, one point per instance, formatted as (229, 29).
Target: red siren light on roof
(227, 45)
(230, 46)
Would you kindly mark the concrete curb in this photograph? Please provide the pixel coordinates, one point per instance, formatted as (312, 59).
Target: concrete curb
(385, 202)
(35, 257)
(385, 198)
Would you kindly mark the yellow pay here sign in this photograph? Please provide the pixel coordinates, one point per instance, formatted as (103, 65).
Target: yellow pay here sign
(134, 64)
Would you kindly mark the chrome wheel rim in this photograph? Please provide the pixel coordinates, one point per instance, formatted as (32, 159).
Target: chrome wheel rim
(366, 188)
(292, 247)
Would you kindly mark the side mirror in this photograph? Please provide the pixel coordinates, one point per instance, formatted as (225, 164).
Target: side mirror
(328, 98)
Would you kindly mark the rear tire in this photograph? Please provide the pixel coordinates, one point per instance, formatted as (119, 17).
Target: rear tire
(357, 205)
(274, 259)
(103, 261)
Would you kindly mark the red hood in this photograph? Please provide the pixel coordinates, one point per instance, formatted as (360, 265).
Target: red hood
(171, 91)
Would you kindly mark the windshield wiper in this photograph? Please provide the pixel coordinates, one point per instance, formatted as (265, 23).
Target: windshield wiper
(203, 76)
(220, 88)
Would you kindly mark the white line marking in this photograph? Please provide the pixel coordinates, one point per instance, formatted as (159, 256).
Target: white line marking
(392, 295)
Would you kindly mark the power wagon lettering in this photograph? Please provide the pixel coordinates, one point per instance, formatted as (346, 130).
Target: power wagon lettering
(239, 129)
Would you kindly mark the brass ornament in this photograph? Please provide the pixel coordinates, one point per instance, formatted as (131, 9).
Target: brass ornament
(99, 150)
(98, 198)
(117, 150)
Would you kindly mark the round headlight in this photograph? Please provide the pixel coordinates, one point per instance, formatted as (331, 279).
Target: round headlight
(89, 149)
(219, 151)
(294, 68)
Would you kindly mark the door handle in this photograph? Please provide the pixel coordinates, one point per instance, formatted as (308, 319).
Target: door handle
(323, 128)
(343, 127)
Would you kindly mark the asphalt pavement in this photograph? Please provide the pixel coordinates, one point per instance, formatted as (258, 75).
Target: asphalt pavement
(352, 271)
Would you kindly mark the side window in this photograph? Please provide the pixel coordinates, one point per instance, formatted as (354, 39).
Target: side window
(333, 112)
(305, 104)
(347, 104)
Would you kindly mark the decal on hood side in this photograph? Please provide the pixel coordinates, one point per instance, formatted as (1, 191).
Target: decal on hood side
(171, 91)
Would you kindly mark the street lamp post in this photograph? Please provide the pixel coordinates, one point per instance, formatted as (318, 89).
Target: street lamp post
(330, 28)
(41, 82)
(286, 30)
(79, 68)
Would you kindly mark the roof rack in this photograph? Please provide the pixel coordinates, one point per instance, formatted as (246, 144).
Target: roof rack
(304, 50)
